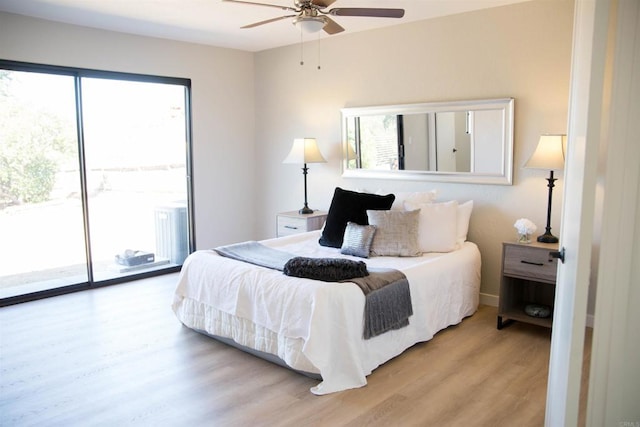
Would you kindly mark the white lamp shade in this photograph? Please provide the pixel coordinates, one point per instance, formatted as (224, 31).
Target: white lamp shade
(549, 153)
(304, 150)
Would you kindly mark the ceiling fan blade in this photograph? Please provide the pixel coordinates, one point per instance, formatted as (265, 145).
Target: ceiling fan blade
(331, 26)
(268, 21)
(323, 3)
(366, 11)
(263, 4)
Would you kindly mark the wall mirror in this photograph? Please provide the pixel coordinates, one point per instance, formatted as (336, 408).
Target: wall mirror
(460, 141)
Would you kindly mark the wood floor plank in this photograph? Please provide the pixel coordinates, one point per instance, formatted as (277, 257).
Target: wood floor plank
(118, 356)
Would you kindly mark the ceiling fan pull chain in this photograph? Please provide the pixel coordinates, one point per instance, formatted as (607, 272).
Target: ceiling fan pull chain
(319, 51)
(301, 49)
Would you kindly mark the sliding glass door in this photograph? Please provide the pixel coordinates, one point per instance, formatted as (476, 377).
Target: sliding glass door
(93, 177)
(41, 218)
(136, 175)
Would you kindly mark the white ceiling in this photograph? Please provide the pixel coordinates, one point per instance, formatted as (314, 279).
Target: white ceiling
(218, 23)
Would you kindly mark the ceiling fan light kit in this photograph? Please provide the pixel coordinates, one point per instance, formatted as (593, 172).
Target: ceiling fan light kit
(312, 18)
(309, 24)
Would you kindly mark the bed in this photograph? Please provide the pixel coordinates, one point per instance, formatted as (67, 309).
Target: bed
(316, 327)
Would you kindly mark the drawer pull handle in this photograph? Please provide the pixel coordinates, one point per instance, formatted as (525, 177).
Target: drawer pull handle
(532, 263)
(291, 227)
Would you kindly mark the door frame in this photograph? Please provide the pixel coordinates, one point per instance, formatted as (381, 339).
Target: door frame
(614, 379)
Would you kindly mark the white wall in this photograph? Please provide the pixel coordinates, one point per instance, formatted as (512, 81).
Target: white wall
(222, 105)
(521, 51)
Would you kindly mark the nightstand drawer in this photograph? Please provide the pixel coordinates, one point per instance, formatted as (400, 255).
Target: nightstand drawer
(288, 225)
(529, 262)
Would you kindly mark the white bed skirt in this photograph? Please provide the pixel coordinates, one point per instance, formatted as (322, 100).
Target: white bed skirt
(201, 317)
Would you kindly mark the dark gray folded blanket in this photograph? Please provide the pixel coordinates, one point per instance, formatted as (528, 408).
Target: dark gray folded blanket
(325, 269)
(387, 301)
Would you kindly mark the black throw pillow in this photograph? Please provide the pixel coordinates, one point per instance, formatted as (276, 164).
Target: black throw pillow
(350, 206)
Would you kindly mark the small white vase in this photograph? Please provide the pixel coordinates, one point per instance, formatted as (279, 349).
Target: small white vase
(524, 238)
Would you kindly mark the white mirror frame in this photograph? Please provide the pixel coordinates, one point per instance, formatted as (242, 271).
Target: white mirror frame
(505, 177)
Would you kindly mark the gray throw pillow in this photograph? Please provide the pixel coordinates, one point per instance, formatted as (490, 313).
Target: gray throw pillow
(396, 233)
(357, 239)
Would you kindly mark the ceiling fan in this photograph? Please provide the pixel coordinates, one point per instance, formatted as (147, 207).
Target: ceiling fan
(311, 17)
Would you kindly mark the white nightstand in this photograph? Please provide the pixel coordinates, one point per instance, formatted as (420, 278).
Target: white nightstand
(293, 222)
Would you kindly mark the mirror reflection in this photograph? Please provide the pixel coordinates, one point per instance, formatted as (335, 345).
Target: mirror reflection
(464, 141)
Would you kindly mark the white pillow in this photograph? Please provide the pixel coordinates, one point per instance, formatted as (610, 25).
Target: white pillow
(464, 214)
(438, 227)
(417, 197)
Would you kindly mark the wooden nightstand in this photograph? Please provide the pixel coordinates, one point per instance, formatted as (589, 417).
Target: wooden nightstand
(293, 222)
(528, 277)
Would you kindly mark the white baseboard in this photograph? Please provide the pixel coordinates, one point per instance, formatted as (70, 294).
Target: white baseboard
(492, 300)
(488, 299)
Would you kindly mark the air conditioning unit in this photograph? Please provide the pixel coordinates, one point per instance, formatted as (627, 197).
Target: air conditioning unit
(172, 232)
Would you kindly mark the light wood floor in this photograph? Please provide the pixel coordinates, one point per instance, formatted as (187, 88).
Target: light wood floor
(117, 356)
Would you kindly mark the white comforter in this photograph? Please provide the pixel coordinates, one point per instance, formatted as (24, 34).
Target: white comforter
(317, 326)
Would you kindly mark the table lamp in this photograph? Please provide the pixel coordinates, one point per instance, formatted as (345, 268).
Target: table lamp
(303, 151)
(549, 154)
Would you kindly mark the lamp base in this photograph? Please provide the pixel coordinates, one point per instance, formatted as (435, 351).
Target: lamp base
(305, 211)
(547, 238)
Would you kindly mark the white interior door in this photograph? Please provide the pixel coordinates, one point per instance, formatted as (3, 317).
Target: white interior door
(584, 130)
(446, 142)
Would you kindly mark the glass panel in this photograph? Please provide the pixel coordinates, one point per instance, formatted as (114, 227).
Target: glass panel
(135, 149)
(379, 142)
(42, 242)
